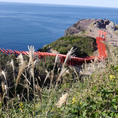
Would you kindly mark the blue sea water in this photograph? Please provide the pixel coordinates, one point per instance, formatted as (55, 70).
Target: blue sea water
(35, 24)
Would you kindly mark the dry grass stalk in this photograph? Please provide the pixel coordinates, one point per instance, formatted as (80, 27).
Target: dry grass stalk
(13, 68)
(38, 89)
(75, 71)
(31, 55)
(4, 85)
(4, 90)
(68, 56)
(88, 69)
(32, 63)
(22, 66)
(12, 64)
(112, 53)
(52, 72)
(61, 74)
(62, 100)
(47, 76)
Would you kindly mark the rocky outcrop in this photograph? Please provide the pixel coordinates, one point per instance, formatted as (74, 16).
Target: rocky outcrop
(90, 27)
(78, 27)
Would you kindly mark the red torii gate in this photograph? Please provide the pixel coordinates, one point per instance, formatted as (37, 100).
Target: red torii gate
(102, 54)
(100, 44)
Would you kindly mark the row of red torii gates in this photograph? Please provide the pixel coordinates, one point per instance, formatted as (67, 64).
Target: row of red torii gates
(74, 61)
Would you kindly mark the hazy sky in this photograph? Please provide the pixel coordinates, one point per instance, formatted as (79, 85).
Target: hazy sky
(102, 3)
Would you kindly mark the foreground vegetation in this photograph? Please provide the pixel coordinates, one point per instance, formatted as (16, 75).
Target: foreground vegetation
(30, 87)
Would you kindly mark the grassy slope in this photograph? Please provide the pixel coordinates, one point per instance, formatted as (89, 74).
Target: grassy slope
(84, 46)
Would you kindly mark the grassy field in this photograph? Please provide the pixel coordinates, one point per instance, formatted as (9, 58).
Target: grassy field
(33, 88)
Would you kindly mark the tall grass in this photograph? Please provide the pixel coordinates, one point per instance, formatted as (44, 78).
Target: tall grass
(31, 87)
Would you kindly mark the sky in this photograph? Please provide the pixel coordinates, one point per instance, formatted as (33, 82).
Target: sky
(99, 3)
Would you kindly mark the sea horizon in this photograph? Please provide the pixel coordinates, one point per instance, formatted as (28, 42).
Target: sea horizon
(57, 5)
(24, 24)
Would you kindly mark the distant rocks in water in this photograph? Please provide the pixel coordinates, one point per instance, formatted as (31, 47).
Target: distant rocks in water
(90, 27)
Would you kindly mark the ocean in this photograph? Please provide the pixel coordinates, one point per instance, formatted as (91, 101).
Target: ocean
(38, 24)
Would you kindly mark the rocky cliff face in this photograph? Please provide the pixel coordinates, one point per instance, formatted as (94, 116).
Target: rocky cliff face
(90, 27)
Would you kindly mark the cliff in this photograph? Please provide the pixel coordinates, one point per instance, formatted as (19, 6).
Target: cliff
(90, 27)
(81, 36)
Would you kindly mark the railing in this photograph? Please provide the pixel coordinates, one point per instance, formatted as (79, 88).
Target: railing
(102, 53)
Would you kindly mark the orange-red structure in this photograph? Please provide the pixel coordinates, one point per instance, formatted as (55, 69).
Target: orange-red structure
(102, 53)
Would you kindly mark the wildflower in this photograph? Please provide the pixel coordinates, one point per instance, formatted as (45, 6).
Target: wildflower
(73, 100)
(80, 103)
(21, 106)
(112, 77)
